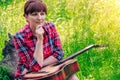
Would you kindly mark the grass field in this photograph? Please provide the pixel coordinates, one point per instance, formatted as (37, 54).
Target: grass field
(79, 23)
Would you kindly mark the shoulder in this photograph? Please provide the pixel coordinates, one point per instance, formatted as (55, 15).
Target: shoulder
(50, 24)
(21, 34)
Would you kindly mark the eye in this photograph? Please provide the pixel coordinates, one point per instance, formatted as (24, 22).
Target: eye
(34, 14)
(42, 13)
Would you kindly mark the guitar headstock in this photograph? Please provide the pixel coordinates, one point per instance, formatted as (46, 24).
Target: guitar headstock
(100, 45)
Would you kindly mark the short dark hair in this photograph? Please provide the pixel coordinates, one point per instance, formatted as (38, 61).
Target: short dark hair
(34, 6)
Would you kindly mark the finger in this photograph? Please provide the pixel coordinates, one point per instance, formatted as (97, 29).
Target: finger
(38, 26)
(40, 30)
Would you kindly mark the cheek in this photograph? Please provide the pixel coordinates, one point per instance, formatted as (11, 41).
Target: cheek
(31, 20)
(43, 16)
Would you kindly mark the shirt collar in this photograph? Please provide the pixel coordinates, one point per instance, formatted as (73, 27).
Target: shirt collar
(28, 31)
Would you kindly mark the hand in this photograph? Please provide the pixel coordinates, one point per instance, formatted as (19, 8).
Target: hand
(24, 71)
(39, 32)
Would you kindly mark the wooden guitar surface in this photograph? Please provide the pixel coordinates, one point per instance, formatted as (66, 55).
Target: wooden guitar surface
(57, 72)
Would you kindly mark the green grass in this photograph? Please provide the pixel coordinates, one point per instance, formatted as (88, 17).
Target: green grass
(79, 23)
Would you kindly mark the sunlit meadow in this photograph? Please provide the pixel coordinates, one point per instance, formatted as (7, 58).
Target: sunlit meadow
(79, 23)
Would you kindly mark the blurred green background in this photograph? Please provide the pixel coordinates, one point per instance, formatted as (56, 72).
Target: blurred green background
(79, 23)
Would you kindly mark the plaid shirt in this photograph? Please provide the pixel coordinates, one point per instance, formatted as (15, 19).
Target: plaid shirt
(25, 43)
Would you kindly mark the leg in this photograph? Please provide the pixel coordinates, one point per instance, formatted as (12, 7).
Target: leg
(73, 77)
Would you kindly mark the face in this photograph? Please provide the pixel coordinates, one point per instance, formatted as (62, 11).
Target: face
(36, 18)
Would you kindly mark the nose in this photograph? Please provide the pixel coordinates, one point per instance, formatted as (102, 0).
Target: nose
(39, 16)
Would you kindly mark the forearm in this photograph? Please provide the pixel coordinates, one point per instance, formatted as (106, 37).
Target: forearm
(38, 54)
(24, 71)
(49, 60)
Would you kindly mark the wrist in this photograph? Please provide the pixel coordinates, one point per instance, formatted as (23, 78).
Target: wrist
(40, 38)
(39, 41)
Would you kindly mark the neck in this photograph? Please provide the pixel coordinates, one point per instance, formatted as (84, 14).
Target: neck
(33, 29)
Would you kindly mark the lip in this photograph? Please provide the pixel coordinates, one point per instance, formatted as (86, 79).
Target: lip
(40, 21)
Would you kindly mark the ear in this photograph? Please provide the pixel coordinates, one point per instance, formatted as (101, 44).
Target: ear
(26, 17)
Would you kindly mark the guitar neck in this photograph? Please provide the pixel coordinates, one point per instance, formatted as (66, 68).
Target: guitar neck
(81, 51)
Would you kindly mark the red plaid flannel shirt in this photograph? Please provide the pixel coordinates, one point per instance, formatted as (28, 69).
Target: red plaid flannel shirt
(25, 42)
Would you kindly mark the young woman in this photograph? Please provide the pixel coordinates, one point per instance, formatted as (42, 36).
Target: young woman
(38, 43)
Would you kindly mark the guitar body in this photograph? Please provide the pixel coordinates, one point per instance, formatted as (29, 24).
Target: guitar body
(54, 72)
(61, 71)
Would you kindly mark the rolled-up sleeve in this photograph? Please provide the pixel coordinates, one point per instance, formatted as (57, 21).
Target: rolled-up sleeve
(57, 46)
(22, 59)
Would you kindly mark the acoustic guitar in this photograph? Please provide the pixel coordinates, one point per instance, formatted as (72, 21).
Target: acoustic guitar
(61, 70)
